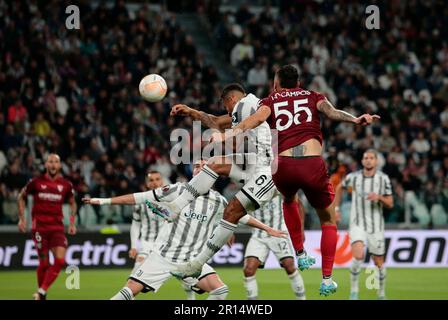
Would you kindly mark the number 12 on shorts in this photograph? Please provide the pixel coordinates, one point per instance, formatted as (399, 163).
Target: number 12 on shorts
(299, 106)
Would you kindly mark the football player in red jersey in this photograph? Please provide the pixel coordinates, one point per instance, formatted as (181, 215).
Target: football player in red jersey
(295, 113)
(49, 192)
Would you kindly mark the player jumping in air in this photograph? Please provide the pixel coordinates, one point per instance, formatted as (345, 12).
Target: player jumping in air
(49, 192)
(180, 240)
(251, 168)
(145, 229)
(295, 113)
(260, 244)
(371, 191)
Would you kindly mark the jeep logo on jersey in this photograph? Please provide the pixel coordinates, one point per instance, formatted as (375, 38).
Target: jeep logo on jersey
(200, 217)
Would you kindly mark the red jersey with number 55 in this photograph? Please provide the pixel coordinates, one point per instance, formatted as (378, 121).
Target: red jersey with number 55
(48, 197)
(294, 114)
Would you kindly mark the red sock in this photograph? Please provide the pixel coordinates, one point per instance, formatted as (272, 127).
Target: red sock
(328, 243)
(41, 271)
(293, 223)
(52, 273)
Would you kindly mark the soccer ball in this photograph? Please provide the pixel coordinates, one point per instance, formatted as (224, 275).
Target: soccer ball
(152, 88)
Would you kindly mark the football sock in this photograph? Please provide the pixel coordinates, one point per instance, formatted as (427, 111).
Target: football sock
(198, 185)
(41, 271)
(52, 273)
(250, 283)
(123, 294)
(355, 270)
(219, 293)
(217, 240)
(382, 279)
(297, 285)
(294, 224)
(328, 242)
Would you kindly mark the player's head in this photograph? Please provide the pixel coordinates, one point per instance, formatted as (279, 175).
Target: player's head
(370, 159)
(197, 167)
(154, 180)
(287, 77)
(231, 94)
(53, 164)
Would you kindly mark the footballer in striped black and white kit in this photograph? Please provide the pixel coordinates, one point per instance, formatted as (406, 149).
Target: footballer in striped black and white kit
(260, 244)
(371, 190)
(145, 225)
(180, 240)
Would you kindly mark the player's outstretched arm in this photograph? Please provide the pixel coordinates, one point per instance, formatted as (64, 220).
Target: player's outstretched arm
(255, 223)
(260, 116)
(22, 204)
(214, 122)
(131, 198)
(331, 112)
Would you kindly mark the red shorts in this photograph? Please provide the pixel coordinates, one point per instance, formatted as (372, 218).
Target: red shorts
(306, 173)
(46, 240)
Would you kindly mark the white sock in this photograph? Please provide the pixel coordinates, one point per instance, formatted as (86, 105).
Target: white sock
(250, 283)
(123, 294)
(217, 240)
(355, 270)
(297, 285)
(190, 293)
(382, 279)
(219, 293)
(198, 185)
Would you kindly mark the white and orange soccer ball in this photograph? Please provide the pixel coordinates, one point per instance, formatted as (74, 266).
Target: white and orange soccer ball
(152, 88)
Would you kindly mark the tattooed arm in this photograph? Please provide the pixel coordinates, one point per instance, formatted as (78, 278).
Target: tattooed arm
(215, 122)
(331, 112)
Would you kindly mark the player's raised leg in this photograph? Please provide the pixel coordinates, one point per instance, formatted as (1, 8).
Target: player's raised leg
(358, 250)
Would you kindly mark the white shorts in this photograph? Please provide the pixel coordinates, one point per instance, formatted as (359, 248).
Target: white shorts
(259, 248)
(145, 248)
(258, 190)
(375, 241)
(155, 271)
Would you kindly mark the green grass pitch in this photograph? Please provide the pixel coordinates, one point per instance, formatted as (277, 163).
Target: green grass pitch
(273, 284)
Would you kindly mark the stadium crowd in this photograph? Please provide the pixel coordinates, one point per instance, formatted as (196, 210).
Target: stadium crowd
(75, 92)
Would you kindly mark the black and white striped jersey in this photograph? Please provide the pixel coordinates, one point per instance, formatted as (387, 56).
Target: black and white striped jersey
(183, 239)
(260, 137)
(150, 224)
(365, 213)
(270, 214)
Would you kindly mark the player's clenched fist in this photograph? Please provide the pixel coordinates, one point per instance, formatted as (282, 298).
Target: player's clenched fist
(180, 110)
(366, 119)
(132, 253)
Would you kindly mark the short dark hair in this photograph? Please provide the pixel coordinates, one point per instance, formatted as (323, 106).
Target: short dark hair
(372, 151)
(232, 87)
(288, 76)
